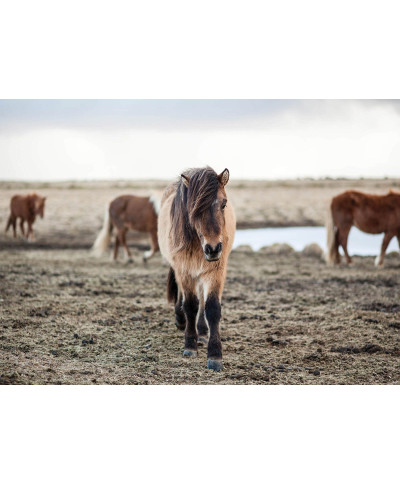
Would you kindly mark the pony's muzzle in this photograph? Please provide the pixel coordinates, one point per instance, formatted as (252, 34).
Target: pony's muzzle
(213, 253)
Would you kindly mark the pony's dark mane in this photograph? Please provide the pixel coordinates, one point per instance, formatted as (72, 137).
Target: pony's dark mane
(190, 203)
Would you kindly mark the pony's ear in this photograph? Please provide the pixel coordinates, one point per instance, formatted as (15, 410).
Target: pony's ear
(223, 177)
(185, 180)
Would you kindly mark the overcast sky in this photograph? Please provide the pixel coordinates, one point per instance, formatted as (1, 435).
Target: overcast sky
(257, 139)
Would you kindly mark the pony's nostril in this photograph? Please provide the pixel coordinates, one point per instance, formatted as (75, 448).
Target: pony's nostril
(209, 250)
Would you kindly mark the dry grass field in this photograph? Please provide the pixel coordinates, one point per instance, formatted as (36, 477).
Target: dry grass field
(66, 318)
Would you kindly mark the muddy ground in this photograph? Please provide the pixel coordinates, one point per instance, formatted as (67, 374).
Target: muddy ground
(66, 318)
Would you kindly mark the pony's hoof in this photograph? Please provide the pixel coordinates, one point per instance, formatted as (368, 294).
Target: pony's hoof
(189, 353)
(144, 260)
(129, 260)
(202, 340)
(214, 365)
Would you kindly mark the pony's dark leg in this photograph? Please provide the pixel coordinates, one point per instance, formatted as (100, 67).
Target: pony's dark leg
(202, 327)
(385, 243)
(21, 225)
(9, 222)
(180, 319)
(190, 307)
(174, 295)
(31, 235)
(14, 226)
(122, 235)
(338, 258)
(343, 237)
(12, 220)
(213, 315)
(116, 247)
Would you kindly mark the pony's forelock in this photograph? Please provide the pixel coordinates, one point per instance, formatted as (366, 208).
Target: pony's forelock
(190, 202)
(202, 192)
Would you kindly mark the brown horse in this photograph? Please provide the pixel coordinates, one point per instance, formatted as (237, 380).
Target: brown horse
(196, 228)
(25, 207)
(373, 214)
(129, 212)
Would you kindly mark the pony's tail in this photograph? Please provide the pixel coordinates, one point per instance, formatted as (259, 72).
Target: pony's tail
(103, 239)
(155, 199)
(332, 253)
(172, 287)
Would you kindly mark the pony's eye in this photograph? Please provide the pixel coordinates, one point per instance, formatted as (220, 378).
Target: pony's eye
(223, 205)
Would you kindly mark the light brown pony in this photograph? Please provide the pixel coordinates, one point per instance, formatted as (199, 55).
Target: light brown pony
(373, 214)
(129, 212)
(196, 228)
(26, 208)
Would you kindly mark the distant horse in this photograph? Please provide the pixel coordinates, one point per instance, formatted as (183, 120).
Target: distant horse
(129, 212)
(196, 228)
(373, 214)
(25, 207)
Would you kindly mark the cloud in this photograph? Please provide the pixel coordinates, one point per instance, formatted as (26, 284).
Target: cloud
(138, 114)
(157, 139)
(172, 115)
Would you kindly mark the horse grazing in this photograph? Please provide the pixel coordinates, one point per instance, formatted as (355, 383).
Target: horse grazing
(196, 228)
(128, 212)
(25, 207)
(373, 214)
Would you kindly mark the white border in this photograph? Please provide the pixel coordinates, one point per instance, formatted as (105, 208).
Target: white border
(219, 49)
(284, 434)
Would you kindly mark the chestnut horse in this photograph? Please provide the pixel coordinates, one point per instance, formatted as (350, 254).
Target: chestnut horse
(129, 212)
(373, 214)
(25, 207)
(196, 228)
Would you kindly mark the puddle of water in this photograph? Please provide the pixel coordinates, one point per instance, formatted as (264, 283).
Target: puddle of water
(359, 242)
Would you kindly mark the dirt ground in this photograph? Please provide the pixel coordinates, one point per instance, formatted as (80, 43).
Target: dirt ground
(66, 318)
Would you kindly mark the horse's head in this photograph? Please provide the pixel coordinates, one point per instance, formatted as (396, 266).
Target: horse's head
(207, 199)
(39, 206)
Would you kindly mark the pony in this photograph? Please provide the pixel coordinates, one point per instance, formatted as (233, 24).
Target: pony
(196, 228)
(129, 212)
(26, 208)
(373, 214)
